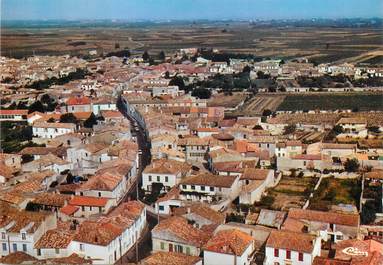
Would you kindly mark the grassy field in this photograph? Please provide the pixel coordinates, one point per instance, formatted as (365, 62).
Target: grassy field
(333, 191)
(231, 37)
(362, 101)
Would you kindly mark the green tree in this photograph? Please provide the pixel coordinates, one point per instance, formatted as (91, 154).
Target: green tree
(161, 56)
(92, 120)
(68, 118)
(201, 93)
(351, 165)
(246, 69)
(177, 81)
(289, 129)
(267, 112)
(36, 106)
(145, 56)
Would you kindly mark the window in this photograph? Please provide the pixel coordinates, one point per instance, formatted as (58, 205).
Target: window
(288, 254)
(4, 246)
(162, 245)
(179, 248)
(57, 251)
(2, 235)
(25, 247)
(276, 252)
(300, 256)
(211, 188)
(38, 252)
(99, 194)
(161, 207)
(14, 246)
(81, 247)
(158, 178)
(187, 251)
(304, 163)
(150, 178)
(166, 179)
(83, 208)
(202, 187)
(192, 187)
(339, 237)
(184, 187)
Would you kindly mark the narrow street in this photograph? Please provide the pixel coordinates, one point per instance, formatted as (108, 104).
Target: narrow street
(145, 241)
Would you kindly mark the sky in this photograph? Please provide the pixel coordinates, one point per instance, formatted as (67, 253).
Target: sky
(188, 9)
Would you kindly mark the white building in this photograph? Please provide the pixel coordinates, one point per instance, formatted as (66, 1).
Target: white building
(167, 172)
(286, 247)
(51, 130)
(20, 230)
(220, 249)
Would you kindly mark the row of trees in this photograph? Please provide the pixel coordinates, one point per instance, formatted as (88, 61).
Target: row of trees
(46, 83)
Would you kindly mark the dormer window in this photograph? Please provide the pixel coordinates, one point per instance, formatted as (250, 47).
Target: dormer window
(23, 236)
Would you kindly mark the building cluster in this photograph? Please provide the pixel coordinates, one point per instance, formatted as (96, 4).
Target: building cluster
(211, 182)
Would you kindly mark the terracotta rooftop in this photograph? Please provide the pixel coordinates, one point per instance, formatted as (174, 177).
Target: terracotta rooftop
(13, 112)
(17, 257)
(55, 239)
(210, 180)
(254, 174)
(78, 101)
(329, 261)
(202, 210)
(360, 251)
(167, 166)
(326, 217)
(232, 241)
(69, 209)
(88, 201)
(98, 232)
(104, 182)
(170, 258)
(282, 239)
(51, 199)
(180, 228)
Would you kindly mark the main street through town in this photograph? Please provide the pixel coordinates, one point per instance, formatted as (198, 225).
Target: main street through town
(144, 242)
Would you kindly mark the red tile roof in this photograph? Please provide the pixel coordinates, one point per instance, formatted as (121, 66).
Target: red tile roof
(69, 209)
(88, 201)
(232, 241)
(325, 217)
(281, 239)
(170, 258)
(13, 111)
(78, 101)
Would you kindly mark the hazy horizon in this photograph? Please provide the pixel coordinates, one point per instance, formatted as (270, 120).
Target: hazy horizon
(134, 10)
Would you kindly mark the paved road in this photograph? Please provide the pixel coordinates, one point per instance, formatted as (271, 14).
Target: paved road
(145, 241)
(144, 147)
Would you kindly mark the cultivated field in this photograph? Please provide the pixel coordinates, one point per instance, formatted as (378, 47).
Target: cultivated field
(331, 101)
(320, 44)
(227, 101)
(291, 192)
(259, 103)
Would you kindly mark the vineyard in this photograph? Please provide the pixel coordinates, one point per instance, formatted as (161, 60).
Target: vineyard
(349, 101)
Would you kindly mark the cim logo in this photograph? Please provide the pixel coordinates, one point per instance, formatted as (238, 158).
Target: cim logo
(354, 252)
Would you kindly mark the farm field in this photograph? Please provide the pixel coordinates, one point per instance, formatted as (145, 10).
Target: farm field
(361, 101)
(318, 44)
(259, 103)
(227, 101)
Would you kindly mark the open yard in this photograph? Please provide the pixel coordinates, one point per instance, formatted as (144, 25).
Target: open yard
(291, 192)
(333, 191)
(335, 101)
